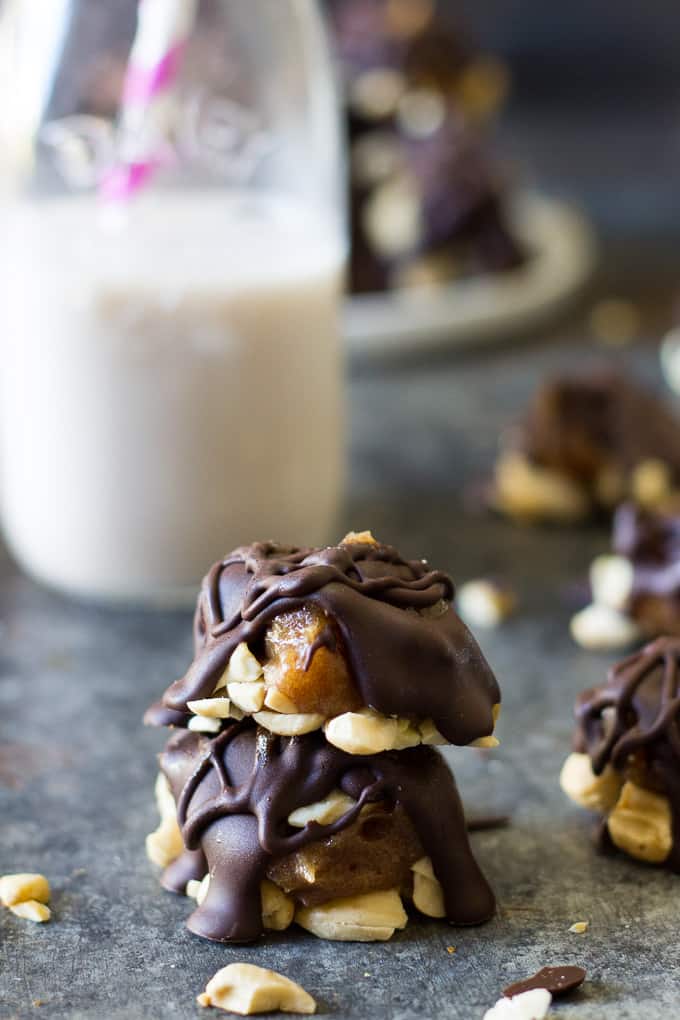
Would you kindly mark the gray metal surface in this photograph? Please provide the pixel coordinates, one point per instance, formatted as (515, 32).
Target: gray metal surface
(77, 768)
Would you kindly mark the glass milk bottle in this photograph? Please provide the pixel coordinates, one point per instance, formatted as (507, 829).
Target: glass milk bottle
(172, 244)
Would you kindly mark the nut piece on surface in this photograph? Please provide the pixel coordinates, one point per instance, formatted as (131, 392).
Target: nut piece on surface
(244, 988)
(22, 887)
(579, 782)
(326, 811)
(247, 695)
(579, 928)
(641, 824)
(532, 1005)
(485, 603)
(211, 708)
(530, 493)
(611, 581)
(428, 895)
(31, 910)
(289, 725)
(363, 732)
(371, 917)
(165, 844)
(600, 628)
(278, 909)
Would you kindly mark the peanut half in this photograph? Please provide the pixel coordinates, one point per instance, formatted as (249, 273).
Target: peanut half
(23, 887)
(579, 782)
(641, 824)
(370, 917)
(245, 989)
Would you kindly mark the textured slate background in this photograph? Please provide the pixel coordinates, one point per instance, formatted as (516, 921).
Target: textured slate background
(77, 768)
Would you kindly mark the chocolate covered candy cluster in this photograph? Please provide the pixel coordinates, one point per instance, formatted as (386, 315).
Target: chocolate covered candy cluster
(626, 759)
(586, 444)
(302, 781)
(635, 589)
(427, 206)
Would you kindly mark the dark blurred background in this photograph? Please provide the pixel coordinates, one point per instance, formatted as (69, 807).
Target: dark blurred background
(594, 111)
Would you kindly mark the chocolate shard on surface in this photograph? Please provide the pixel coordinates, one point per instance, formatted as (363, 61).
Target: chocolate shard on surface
(556, 980)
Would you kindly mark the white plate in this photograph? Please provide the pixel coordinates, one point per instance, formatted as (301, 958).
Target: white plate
(562, 257)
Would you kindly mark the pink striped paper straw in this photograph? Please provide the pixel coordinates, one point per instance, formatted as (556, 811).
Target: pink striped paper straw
(163, 28)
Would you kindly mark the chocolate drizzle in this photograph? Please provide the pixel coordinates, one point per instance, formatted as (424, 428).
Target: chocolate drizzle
(633, 722)
(409, 653)
(235, 792)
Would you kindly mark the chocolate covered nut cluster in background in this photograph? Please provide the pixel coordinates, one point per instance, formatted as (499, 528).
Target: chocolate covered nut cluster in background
(301, 782)
(636, 590)
(626, 759)
(586, 444)
(426, 204)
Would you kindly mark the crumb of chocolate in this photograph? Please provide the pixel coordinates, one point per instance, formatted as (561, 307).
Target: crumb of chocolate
(579, 928)
(557, 980)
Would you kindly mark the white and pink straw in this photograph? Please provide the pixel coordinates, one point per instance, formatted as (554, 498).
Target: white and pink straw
(163, 30)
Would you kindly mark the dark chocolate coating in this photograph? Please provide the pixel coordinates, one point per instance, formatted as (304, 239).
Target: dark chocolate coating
(641, 727)
(234, 794)
(409, 653)
(650, 540)
(581, 424)
(557, 980)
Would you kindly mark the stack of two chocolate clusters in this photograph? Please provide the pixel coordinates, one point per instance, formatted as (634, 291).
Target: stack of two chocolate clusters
(302, 782)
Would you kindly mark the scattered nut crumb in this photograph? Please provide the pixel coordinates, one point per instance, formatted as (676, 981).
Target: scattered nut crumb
(579, 927)
(484, 603)
(244, 988)
(614, 322)
(450, 950)
(38, 1002)
(26, 895)
(601, 628)
(22, 887)
(31, 910)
